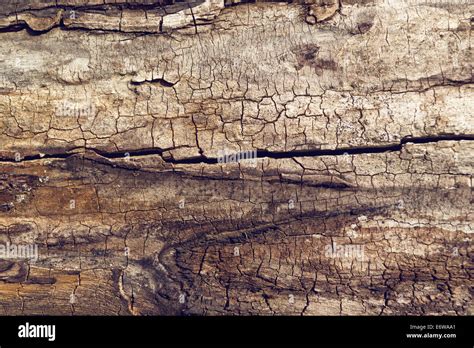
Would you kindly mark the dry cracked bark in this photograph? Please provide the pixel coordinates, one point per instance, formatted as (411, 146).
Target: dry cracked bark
(115, 114)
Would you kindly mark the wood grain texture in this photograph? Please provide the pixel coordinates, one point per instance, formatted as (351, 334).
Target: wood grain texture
(354, 197)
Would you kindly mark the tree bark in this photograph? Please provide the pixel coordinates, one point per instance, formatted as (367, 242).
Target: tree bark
(237, 158)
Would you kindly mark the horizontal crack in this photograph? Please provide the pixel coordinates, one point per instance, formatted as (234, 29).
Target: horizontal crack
(365, 149)
(162, 82)
(22, 25)
(159, 4)
(260, 153)
(166, 6)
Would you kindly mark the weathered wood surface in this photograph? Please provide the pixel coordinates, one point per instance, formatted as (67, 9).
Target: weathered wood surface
(113, 117)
